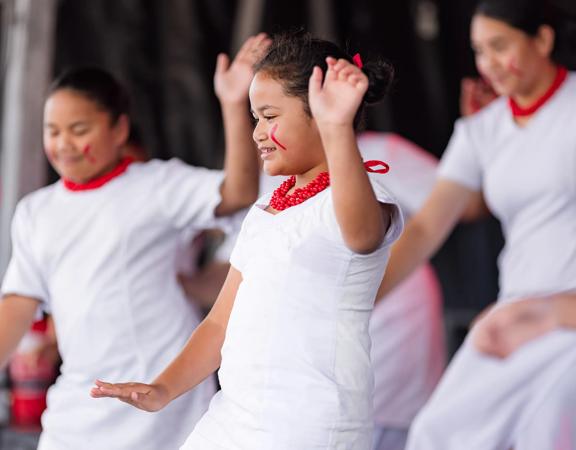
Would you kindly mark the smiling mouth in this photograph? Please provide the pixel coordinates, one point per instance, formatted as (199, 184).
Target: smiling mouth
(265, 151)
(69, 160)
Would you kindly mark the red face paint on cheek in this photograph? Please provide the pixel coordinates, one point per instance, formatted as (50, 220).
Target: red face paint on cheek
(88, 155)
(273, 137)
(514, 70)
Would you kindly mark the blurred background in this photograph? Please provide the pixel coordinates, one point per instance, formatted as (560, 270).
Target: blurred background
(165, 53)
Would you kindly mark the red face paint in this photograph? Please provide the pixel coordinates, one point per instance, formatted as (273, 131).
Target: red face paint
(88, 155)
(514, 70)
(273, 137)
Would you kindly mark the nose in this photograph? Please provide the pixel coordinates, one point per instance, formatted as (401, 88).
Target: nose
(260, 133)
(63, 142)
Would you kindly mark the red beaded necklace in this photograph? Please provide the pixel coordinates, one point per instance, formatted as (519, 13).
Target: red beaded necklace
(281, 200)
(519, 111)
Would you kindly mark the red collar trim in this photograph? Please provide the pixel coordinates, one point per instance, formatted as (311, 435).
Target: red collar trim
(100, 181)
(519, 111)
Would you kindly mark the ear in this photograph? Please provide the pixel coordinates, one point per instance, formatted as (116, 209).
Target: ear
(121, 130)
(545, 40)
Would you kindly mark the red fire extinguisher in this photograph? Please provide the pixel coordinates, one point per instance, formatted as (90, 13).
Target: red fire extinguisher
(31, 374)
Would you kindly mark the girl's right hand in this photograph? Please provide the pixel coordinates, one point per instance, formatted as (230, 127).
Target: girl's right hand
(148, 397)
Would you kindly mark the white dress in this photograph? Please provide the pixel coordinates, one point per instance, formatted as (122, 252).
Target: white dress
(528, 177)
(296, 371)
(103, 262)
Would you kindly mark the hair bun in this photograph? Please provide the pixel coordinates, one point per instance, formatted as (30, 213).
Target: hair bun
(380, 75)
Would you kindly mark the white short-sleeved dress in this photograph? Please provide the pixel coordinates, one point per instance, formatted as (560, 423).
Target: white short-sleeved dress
(296, 371)
(528, 178)
(408, 351)
(103, 263)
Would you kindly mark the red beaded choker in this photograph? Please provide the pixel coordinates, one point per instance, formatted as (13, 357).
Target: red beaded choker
(281, 200)
(100, 181)
(519, 111)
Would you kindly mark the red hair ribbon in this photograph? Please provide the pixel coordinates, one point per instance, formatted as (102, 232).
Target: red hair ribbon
(374, 163)
(358, 60)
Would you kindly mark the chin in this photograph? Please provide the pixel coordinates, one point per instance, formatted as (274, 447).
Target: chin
(271, 170)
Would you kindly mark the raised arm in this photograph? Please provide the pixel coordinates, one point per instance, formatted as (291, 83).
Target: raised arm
(231, 83)
(425, 232)
(334, 103)
(200, 357)
(16, 316)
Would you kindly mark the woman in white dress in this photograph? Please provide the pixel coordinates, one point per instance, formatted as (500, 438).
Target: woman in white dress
(507, 385)
(98, 248)
(289, 329)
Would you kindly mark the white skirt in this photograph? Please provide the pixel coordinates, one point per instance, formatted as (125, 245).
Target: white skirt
(526, 401)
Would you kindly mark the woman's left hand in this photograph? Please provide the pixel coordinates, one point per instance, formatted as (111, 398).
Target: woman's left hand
(505, 328)
(336, 100)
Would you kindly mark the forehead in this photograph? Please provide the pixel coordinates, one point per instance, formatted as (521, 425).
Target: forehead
(484, 28)
(70, 104)
(264, 88)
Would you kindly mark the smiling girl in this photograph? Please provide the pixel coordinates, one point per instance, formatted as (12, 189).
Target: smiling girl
(289, 329)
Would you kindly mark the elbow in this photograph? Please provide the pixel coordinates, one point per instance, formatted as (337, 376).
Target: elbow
(365, 243)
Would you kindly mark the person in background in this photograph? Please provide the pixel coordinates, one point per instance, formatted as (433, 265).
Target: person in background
(97, 249)
(508, 388)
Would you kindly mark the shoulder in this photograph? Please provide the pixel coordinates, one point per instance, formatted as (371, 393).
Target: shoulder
(488, 118)
(36, 201)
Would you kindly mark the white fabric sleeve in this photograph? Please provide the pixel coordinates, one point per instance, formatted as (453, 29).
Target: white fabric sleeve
(189, 195)
(24, 275)
(460, 160)
(238, 255)
(383, 196)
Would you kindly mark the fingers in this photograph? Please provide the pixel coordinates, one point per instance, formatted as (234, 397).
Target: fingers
(222, 63)
(253, 48)
(315, 83)
(122, 391)
(345, 71)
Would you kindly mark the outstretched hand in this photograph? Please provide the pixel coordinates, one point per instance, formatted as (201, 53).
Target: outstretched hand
(505, 328)
(335, 100)
(232, 81)
(147, 397)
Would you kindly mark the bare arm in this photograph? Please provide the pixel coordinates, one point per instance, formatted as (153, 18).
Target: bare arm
(506, 327)
(425, 232)
(199, 358)
(231, 82)
(16, 316)
(334, 104)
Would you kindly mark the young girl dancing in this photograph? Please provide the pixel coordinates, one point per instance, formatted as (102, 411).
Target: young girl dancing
(289, 329)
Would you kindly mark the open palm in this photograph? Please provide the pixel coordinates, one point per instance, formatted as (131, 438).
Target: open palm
(336, 100)
(232, 81)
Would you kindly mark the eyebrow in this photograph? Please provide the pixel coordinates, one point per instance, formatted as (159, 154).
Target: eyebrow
(263, 108)
(73, 125)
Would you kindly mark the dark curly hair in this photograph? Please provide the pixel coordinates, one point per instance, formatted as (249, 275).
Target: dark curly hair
(292, 56)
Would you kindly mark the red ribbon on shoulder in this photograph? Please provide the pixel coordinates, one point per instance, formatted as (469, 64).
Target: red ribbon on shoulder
(370, 166)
